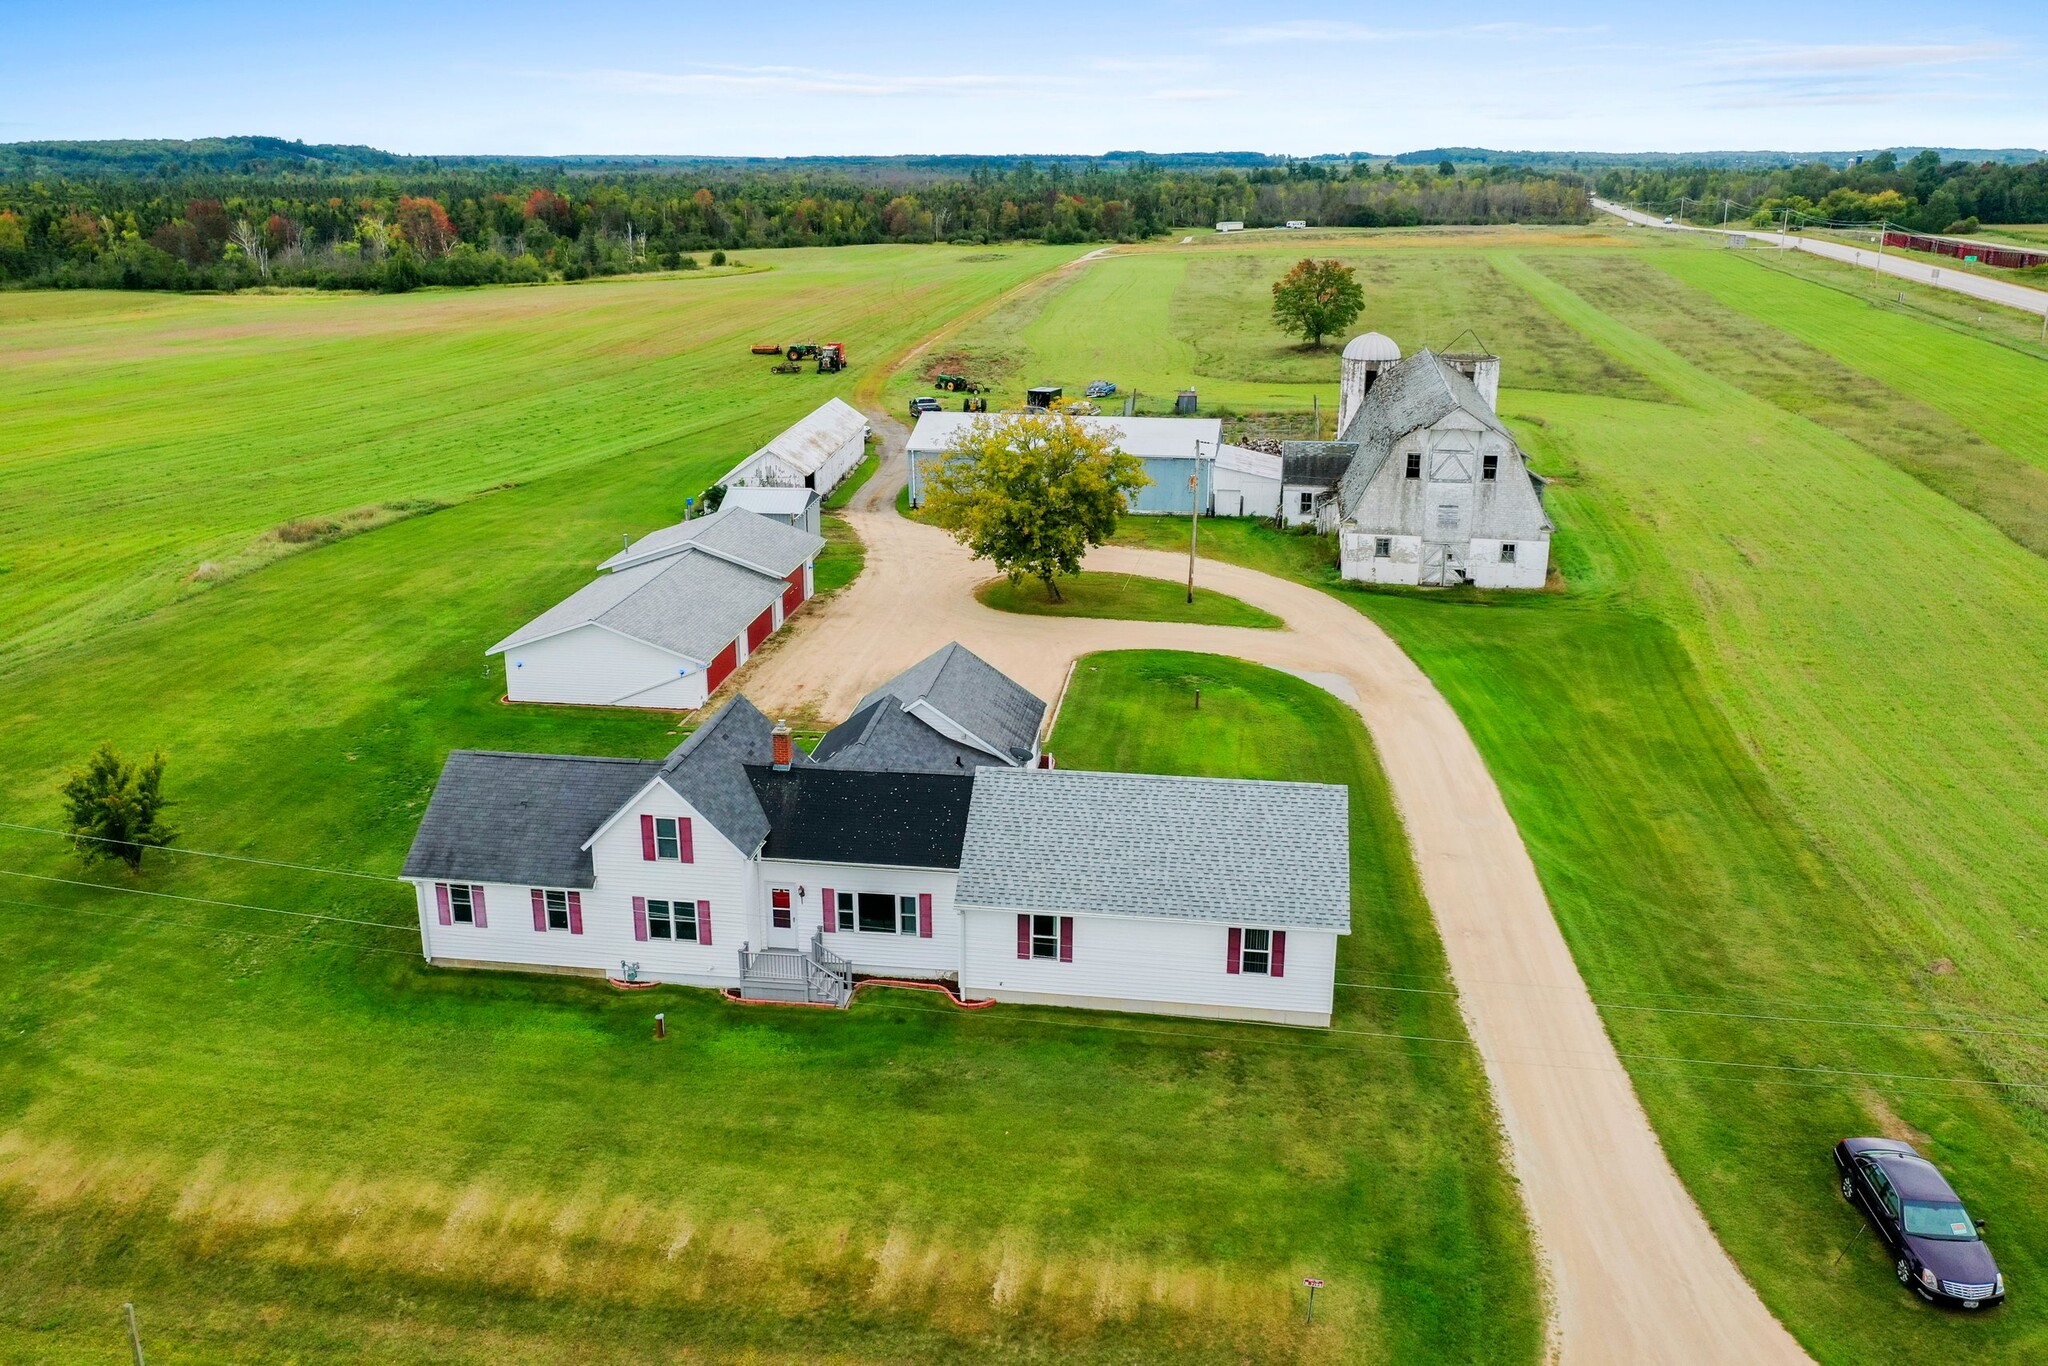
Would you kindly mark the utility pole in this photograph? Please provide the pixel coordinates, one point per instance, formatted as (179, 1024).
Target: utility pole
(1877, 270)
(1194, 517)
(1726, 204)
(134, 1335)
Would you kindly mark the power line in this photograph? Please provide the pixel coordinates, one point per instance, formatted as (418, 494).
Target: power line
(203, 853)
(1741, 1015)
(203, 901)
(337, 944)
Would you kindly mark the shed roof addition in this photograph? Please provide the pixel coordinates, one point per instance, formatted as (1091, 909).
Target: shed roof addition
(1086, 843)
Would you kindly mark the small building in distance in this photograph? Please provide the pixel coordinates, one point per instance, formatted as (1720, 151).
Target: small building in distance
(1425, 484)
(795, 507)
(1230, 225)
(1245, 483)
(815, 453)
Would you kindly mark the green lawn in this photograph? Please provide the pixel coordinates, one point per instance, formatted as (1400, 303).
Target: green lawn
(840, 562)
(1786, 810)
(851, 485)
(286, 1140)
(1125, 597)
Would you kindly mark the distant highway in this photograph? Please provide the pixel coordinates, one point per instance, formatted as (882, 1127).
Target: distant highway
(1954, 280)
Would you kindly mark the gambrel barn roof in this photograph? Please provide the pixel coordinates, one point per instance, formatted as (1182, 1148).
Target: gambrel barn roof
(1419, 391)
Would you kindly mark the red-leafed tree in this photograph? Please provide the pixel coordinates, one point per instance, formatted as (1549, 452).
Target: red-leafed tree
(210, 220)
(280, 232)
(553, 210)
(426, 225)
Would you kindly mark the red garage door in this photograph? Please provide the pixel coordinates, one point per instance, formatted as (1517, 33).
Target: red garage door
(793, 596)
(721, 668)
(758, 629)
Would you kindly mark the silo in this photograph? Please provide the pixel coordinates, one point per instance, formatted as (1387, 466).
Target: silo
(1364, 358)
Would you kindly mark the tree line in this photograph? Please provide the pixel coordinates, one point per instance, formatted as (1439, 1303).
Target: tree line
(1923, 192)
(431, 224)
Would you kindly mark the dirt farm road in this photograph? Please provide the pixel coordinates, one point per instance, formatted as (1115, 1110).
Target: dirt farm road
(1635, 1274)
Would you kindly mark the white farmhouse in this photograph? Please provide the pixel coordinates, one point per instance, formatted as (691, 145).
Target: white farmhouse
(1426, 484)
(738, 862)
(815, 453)
(672, 617)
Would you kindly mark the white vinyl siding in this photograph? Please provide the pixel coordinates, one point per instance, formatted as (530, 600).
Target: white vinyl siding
(881, 953)
(592, 666)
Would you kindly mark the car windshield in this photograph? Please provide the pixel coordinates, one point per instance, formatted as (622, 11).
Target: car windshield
(1939, 1219)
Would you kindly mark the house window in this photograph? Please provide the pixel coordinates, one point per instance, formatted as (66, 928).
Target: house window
(906, 915)
(1415, 464)
(1308, 502)
(1258, 952)
(844, 909)
(1489, 467)
(558, 910)
(675, 920)
(779, 907)
(459, 904)
(1382, 547)
(668, 844)
(1507, 552)
(1045, 936)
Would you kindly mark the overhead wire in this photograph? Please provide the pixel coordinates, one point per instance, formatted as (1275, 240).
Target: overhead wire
(203, 853)
(205, 901)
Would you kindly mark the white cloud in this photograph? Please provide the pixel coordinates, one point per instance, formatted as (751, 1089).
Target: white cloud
(1194, 94)
(794, 80)
(1864, 56)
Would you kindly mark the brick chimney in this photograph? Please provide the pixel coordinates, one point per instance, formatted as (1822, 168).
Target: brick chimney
(782, 747)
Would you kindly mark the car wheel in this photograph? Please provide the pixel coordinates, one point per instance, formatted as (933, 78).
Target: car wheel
(1849, 1189)
(1905, 1270)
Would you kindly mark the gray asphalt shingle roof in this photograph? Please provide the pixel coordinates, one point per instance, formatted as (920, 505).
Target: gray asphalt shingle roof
(1318, 463)
(733, 532)
(520, 818)
(973, 695)
(1416, 392)
(708, 771)
(693, 605)
(881, 737)
(1078, 842)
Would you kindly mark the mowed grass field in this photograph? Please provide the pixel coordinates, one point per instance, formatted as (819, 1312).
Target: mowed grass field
(231, 1094)
(1776, 751)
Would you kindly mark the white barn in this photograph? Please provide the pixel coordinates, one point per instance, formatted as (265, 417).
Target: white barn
(676, 613)
(738, 862)
(814, 453)
(1244, 483)
(1425, 485)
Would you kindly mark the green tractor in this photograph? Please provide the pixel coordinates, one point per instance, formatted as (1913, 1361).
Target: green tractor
(957, 384)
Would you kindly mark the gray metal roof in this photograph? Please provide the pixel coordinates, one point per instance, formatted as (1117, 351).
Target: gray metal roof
(692, 605)
(881, 737)
(1417, 392)
(811, 440)
(1084, 843)
(734, 533)
(1317, 463)
(707, 771)
(971, 693)
(520, 818)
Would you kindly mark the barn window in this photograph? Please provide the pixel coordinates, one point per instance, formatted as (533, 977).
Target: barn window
(558, 910)
(1308, 502)
(778, 903)
(673, 920)
(1382, 547)
(1415, 464)
(1258, 952)
(460, 905)
(1489, 467)
(1507, 552)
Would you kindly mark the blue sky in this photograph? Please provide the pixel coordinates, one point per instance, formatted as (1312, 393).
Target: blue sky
(823, 78)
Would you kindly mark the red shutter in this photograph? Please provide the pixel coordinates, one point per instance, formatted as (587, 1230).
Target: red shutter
(441, 900)
(1279, 953)
(831, 911)
(640, 918)
(540, 911)
(924, 915)
(1023, 936)
(1236, 956)
(1066, 939)
(686, 844)
(704, 922)
(575, 912)
(647, 838)
(476, 907)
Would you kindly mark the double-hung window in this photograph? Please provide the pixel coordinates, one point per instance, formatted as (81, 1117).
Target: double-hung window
(1258, 952)
(557, 909)
(1045, 936)
(460, 906)
(668, 845)
(672, 920)
(1308, 502)
(844, 911)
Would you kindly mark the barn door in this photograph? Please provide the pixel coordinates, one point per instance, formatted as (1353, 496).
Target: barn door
(1434, 571)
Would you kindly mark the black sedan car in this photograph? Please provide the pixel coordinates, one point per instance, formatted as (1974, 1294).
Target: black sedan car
(1937, 1249)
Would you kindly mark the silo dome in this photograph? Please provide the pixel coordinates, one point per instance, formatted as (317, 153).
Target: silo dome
(1372, 346)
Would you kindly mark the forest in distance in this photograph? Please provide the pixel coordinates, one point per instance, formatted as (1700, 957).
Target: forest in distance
(235, 213)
